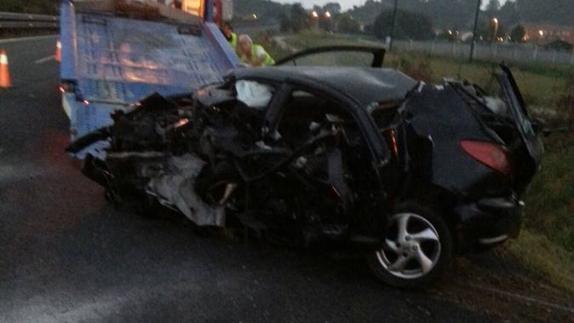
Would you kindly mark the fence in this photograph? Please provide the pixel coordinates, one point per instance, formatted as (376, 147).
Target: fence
(18, 21)
(518, 53)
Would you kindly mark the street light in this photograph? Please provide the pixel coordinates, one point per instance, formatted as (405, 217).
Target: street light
(495, 25)
(328, 15)
(315, 14)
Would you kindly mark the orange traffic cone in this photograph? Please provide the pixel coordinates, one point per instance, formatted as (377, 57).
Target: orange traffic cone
(58, 51)
(5, 81)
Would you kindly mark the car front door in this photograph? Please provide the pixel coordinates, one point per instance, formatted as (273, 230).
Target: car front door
(357, 56)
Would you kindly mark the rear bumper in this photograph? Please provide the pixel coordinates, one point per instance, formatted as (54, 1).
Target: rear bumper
(487, 223)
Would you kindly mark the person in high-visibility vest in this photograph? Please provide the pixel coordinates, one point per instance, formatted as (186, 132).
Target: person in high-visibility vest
(230, 35)
(253, 54)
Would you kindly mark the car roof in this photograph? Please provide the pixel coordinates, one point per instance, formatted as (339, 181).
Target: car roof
(364, 84)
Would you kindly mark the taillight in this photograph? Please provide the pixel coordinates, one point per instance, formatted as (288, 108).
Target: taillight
(491, 155)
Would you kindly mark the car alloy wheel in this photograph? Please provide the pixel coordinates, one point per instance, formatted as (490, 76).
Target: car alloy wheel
(416, 247)
(411, 247)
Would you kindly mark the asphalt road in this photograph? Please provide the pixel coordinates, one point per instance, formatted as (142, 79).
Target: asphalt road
(68, 256)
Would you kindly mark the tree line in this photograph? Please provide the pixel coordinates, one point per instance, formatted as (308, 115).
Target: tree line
(422, 19)
(459, 14)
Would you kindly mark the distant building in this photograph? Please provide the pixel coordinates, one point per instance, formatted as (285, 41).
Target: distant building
(544, 33)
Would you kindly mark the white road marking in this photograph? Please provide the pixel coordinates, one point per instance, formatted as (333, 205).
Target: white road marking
(23, 39)
(45, 59)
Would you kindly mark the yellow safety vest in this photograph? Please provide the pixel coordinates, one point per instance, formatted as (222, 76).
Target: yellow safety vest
(233, 41)
(254, 49)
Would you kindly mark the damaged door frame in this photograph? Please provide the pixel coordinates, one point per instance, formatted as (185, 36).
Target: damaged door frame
(378, 53)
(378, 147)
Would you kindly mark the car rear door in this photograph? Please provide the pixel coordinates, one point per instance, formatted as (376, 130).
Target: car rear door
(513, 97)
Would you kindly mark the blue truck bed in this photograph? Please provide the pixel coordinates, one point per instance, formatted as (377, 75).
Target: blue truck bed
(110, 62)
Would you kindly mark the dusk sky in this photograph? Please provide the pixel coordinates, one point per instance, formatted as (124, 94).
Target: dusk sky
(347, 4)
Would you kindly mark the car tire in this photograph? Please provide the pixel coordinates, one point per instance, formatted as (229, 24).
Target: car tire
(417, 247)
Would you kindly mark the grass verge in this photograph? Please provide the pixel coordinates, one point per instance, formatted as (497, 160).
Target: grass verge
(543, 256)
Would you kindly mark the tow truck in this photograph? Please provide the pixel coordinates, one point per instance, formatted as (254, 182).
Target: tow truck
(116, 52)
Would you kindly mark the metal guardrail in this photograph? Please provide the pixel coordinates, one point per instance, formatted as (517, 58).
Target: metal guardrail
(19, 21)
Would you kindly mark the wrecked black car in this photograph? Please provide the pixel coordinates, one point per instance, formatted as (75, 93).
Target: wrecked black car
(412, 174)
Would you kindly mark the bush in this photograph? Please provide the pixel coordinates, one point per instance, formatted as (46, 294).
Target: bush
(517, 34)
(346, 24)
